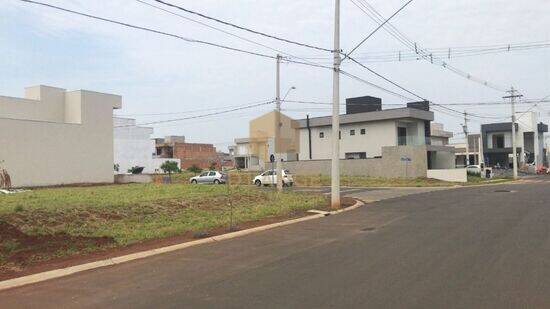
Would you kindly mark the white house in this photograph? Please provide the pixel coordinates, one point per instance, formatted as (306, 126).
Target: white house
(133, 146)
(365, 132)
(497, 140)
(54, 136)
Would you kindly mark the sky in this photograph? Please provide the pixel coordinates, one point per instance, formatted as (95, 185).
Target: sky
(178, 79)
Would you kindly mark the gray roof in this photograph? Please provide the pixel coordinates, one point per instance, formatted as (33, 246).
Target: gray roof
(387, 114)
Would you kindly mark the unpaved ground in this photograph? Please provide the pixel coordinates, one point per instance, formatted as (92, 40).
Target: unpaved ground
(22, 254)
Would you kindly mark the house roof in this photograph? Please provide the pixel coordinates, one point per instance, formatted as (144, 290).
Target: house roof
(387, 114)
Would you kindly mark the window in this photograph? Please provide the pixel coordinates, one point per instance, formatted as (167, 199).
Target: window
(356, 155)
(498, 141)
(339, 134)
(363, 131)
(321, 134)
(351, 132)
(212, 174)
(401, 136)
(204, 174)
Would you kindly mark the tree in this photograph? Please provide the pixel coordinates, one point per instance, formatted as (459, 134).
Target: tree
(194, 169)
(170, 167)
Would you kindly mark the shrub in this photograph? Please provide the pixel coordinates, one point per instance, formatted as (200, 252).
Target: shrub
(170, 167)
(136, 170)
(116, 167)
(194, 169)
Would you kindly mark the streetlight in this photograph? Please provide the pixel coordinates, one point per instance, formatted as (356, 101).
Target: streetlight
(288, 91)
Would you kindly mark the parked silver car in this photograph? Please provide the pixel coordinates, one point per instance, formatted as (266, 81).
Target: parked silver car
(214, 177)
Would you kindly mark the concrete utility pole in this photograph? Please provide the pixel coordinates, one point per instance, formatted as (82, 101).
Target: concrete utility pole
(276, 147)
(480, 158)
(335, 170)
(465, 128)
(512, 98)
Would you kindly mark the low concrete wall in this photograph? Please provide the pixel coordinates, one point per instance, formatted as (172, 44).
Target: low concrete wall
(452, 175)
(389, 166)
(131, 178)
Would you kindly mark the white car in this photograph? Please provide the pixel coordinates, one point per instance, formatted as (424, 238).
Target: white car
(270, 178)
(474, 169)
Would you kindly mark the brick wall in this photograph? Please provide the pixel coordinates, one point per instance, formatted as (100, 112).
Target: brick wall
(202, 155)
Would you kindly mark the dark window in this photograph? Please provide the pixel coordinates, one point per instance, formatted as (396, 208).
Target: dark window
(363, 131)
(498, 141)
(352, 132)
(339, 134)
(321, 134)
(356, 155)
(401, 136)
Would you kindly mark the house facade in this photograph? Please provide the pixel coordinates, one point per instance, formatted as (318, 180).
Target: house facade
(497, 141)
(366, 130)
(53, 136)
(253, 152)
(189, 154)
(133, 146)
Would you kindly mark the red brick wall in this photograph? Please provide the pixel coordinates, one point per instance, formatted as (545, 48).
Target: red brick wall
(202, 155)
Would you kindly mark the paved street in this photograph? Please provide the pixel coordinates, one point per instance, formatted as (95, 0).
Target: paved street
(476, 247)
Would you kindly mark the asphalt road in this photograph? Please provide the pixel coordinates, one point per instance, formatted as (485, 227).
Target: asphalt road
(459, 248)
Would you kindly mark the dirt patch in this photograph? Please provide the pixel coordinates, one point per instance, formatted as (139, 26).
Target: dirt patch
(22, 254)
(18, 250)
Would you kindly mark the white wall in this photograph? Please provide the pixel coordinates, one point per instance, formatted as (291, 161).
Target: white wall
(378, 134)
(133, 146)
(452, 175)
(40, 148)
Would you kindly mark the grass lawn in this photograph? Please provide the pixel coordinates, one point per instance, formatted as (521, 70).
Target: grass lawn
(55, 222)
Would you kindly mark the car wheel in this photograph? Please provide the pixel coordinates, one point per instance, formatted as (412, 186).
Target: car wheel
(258, 183)
(216, 182)
(194, 181)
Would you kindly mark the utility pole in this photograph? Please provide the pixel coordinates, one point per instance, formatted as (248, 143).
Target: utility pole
(276, 147)
(465, 128)
(335, 168)
(512, 98)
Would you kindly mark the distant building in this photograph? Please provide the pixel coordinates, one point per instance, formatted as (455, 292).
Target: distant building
(253, 152)
(438, 135)
(133, 146)
(54, 136)
(474, 153)
(497, 141)
(366, 129)
(189, 154)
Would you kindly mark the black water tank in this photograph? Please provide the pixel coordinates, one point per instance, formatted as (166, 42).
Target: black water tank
(363, 105)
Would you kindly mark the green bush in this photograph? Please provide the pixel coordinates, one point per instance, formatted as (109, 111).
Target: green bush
(136, 170)
(194, 169)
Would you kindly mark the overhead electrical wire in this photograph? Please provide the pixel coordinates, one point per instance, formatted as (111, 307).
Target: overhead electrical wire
(186, 112)
(449, 52)
(149, 29)
(375, 30)
(242, 28)
(199, 116)
(222, 31)
(372, 13)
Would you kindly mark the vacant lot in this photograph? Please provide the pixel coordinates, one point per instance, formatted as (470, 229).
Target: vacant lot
(57, 222)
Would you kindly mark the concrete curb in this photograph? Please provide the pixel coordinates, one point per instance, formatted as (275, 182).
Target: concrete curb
(58, 273)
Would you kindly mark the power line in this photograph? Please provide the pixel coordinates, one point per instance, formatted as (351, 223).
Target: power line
(447, 52)
(149, 29)
(242, 28)
(221, 30)
(185, 112)
(199, 116)
(375, 30)
(372, 13)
